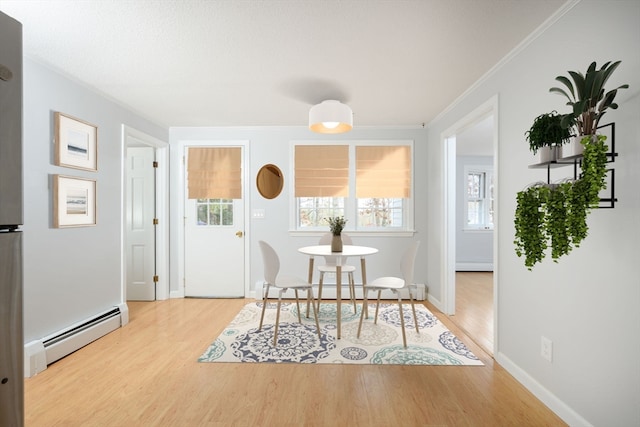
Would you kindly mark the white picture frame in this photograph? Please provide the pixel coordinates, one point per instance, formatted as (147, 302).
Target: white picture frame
(76, 143)
(74, 201)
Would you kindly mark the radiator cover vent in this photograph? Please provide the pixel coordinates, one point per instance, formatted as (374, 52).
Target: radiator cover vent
(77, 336)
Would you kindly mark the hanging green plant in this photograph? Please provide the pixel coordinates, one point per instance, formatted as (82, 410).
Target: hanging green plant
(556, 219)
(577, 210)
(585, 192)
(555, 215)
(530, 238)
(594, 166)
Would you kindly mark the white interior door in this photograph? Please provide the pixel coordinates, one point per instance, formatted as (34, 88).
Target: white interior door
(140, 233)
(214, 245)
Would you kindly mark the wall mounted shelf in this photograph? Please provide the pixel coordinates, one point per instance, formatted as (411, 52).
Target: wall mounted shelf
(576, 161)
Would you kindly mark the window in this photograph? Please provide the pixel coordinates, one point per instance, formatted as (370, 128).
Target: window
(367, 182)
(214, 178)
(214, 211)
(478, 198)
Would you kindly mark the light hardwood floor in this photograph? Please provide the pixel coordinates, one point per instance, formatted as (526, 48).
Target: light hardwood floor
(474, 307)
(147, 374)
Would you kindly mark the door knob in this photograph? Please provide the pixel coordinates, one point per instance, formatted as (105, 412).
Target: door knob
(239, 233)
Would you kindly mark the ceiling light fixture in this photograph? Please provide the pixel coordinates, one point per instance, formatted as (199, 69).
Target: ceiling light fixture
(330, 117)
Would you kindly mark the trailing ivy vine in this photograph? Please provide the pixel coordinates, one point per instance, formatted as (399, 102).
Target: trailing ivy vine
(594, 166)
(555, 215)
(531, 240)
(556, 220)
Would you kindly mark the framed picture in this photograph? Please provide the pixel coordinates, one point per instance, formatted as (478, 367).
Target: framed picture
(74, 201)
(76, 143)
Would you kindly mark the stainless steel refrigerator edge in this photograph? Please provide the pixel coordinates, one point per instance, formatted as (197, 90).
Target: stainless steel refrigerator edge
(11, 218)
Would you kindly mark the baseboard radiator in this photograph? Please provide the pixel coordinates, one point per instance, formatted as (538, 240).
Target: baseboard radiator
(39, 354)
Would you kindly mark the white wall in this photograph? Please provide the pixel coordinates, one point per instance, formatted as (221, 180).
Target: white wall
(273, 145)
(70, 274)
(474, 248)
(587, 304)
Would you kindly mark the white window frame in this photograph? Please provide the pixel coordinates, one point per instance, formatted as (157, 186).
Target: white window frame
(488, 171)
(350, 203)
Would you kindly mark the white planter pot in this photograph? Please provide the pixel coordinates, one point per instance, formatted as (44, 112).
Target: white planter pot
(573, 148)
(549, 154)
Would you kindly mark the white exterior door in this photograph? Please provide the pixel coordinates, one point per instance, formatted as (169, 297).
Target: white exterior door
(140, 232)
(214, 245)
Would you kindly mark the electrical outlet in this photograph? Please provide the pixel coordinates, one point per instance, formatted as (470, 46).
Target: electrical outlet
(546, 349)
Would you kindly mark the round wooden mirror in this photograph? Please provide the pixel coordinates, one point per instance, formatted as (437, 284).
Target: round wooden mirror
(269, 181)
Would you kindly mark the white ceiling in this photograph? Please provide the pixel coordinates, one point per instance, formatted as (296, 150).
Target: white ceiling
(265, 62)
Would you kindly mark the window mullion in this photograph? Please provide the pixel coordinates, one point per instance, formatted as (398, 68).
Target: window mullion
(351, 203)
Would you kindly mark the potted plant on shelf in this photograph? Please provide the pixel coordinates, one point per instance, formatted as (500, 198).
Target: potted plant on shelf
(336, 225)
(588, 101)
(547, 136)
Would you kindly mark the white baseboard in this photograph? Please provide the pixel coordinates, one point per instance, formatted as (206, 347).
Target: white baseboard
(124, 313)
(436, 302)
(41, 353)
(176, 294)
(474, 266)
(35, 358)
(560, 408)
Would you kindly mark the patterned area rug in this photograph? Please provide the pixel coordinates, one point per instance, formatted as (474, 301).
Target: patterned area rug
(299, 343)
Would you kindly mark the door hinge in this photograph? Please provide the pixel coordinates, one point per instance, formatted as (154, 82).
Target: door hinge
(155, 164)
(155, 221)
(156, 279)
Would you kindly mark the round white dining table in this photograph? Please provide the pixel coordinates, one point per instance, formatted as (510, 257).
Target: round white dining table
(341, 257)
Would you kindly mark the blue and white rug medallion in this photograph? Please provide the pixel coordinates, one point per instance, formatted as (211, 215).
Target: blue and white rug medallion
(380, 343)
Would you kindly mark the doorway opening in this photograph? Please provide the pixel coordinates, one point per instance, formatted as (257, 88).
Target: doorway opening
(145, 217)
(470, 180)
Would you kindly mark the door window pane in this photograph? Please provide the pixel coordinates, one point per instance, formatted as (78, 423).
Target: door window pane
(212, 212)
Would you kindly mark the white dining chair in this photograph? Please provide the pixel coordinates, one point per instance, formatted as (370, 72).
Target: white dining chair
(396, 285)
(282, 283)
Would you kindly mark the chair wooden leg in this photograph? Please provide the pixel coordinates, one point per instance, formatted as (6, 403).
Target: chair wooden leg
(352, 292)
(320, 288)
(364, 303)
(413, 307)
(315, 313)
(275, 332)
(375, 320)
(404, 334)
(310, 280)
(265, 301)
(298, 305)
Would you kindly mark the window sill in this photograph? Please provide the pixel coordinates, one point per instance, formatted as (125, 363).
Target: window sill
(477, 230)
(352, 233)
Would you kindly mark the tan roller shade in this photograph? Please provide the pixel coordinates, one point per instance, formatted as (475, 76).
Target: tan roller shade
(322, 170)
(215, 173)
(383, 171)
